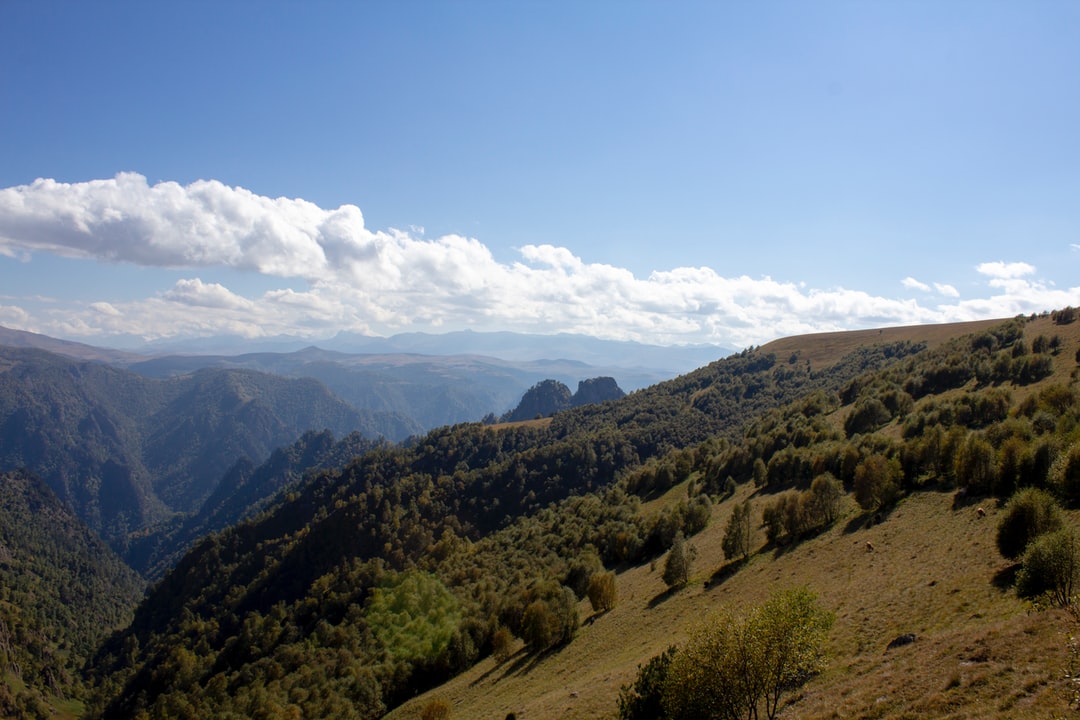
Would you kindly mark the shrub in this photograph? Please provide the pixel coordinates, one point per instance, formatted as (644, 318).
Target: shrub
(826, 496)
(974, 465)
(501, 643)
(550, 621)
(1030, 513)
(877, 482)
(740, 667)
(1051, 565)
(437, 709)
(643, 699)
(602, 593)
(1064, 475)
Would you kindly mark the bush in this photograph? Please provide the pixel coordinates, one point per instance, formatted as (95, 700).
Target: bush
(677, 565)
(738, 667)
(877, 482)
(1051, 565)
(602, 593)
(644, 699)
(869, 414)
(1064, 475)
(1030, 513)
(501, 643)
(551, 621)
(437, 709)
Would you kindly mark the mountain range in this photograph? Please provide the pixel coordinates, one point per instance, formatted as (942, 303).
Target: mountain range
(448, 575)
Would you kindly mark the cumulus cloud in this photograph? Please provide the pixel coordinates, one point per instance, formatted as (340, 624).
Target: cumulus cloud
(946, 290)
(1005, 270)
(336, 274)
(912, 283)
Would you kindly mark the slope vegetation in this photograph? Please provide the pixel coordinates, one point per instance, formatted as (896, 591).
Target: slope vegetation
(61, 592)
(471, 549)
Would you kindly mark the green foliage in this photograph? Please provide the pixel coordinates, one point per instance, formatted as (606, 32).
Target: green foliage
(739, 667)
(550, 621)
(738, 533)
(677, 564)
(1030, 513)
(877, 481)
(974, 465)
(1064, 475)
(62, 591)
(1051, 566)
(643, 699)
(869, 414)
(413, 615)
(602, 591)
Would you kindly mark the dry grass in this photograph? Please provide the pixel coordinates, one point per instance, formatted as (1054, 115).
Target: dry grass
(824, 349)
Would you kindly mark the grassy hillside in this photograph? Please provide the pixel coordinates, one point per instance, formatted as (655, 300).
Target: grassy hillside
(934, 571)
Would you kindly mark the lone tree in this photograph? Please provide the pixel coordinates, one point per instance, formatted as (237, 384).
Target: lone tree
(677, 565)
(735, 668)
(738, 534)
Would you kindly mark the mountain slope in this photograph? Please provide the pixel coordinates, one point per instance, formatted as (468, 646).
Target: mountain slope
(126, 452)
(304, 571)
(61, 592)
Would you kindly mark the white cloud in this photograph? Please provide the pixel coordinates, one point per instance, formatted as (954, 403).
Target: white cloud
(335, 274)
(1004, 270)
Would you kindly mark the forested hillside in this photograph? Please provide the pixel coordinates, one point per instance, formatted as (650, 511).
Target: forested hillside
(294, 599)
(374, 572)
(62, 591)
(126, 452)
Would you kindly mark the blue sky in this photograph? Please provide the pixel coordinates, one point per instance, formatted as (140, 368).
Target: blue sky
(724, 172)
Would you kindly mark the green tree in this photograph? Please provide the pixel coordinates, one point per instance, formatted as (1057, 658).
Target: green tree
(826, 497)
(738, 532)
(974, 465)
(643, 700)
(677, 565)
(877, 482)
(739, 667)
(1051, 566)
(1030, 513)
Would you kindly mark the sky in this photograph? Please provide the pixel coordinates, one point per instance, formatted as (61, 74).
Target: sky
(665, 172)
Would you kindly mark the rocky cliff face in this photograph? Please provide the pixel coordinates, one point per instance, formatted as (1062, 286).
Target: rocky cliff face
(550, 396)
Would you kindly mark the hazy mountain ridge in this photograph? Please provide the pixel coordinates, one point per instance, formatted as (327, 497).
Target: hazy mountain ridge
(126, 451)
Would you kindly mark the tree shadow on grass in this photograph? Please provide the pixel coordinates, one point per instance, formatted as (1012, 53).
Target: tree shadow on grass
(868, 519)
(664, 596)
(1005, 578)
(724, 572)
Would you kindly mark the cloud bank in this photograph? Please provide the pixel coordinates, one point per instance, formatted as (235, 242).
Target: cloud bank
(336, 274)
